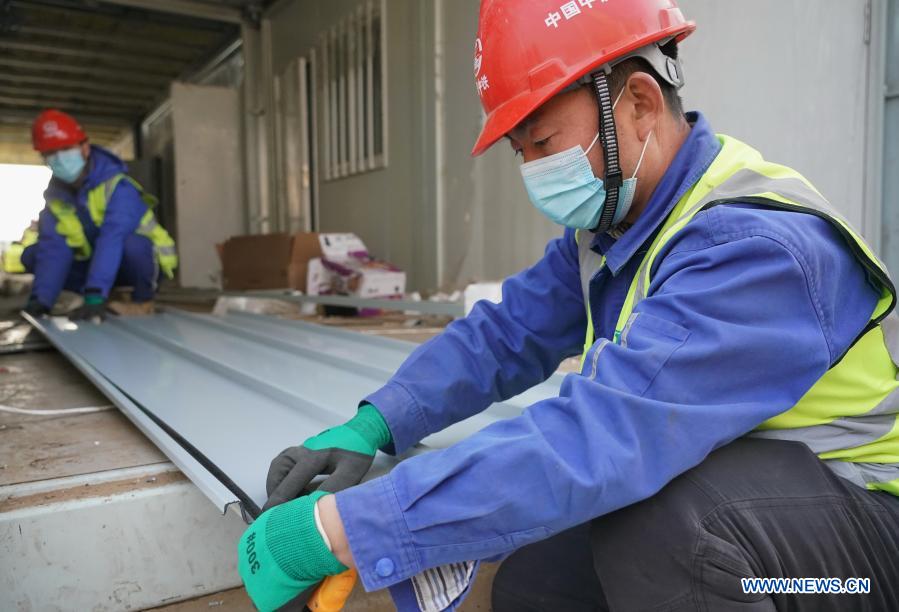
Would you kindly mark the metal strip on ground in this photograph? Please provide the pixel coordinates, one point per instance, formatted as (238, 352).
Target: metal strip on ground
(455, 309)
(214, 490)
(241, 388)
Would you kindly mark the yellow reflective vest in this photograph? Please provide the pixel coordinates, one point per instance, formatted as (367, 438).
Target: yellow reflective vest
(12, 256)
(69, 225)
(850, 416)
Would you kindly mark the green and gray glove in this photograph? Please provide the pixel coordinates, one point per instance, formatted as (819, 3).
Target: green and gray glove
(282, 556)
(345, 453)
(94, 307)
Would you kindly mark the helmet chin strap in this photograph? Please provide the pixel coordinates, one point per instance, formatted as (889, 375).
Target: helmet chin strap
(608, 140)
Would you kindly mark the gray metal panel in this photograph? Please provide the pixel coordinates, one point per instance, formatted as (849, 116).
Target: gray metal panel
(241, 388)
(55, 331)
(891, 143)
(892, 67)
(452, 309)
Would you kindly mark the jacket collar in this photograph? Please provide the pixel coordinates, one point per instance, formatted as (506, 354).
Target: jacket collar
(692, 160)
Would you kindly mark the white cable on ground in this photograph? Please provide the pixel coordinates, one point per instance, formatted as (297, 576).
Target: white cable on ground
(57, 411)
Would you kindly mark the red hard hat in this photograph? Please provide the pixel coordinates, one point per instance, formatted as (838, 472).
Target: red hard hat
(54, 130)
(527, 51)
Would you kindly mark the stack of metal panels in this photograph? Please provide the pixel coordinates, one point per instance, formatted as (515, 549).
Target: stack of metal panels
(221, 396)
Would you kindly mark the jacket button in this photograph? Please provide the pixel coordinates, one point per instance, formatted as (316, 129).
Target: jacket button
(384, 567)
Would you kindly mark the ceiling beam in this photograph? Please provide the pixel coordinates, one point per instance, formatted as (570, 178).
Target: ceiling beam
(87, 71)
(86, 119)
(160, 66)
(114, 12)
(185, 8)
(23, 134)
(169, 50)
(36, 104)
(109, 99)
(132, 90)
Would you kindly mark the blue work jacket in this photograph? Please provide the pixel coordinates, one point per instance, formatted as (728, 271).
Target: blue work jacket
(124, 212)
(656, 407)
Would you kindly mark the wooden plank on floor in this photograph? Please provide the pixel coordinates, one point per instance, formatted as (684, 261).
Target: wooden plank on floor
(43, 380)
(34, 450)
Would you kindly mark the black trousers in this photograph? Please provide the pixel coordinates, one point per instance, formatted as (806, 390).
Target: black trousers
(755, 508)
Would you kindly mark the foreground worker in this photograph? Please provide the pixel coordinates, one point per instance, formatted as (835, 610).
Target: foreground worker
(736, 412)
(97, 229)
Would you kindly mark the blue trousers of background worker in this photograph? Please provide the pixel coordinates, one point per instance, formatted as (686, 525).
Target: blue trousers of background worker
(137, 270)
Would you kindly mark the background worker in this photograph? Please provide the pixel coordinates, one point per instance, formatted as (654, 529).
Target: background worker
(736, 411)
(12, 256)
(97, 229)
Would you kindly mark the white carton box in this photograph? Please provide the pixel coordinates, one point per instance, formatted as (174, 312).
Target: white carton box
(346, 268)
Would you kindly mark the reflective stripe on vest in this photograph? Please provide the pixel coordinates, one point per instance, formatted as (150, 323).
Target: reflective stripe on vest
(69, 225)
(850, 416)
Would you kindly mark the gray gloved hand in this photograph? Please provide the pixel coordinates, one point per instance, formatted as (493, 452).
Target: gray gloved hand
(345, 453)
(93, 309)
(35, 308)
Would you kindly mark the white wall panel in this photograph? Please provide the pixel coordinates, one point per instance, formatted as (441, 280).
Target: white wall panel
(790, 78)
(208, 181)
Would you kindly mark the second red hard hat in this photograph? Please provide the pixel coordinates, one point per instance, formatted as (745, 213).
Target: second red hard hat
(53, 130)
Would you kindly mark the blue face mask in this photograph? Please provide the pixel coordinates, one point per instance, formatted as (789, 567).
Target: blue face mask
(564, 188)
(67, 165)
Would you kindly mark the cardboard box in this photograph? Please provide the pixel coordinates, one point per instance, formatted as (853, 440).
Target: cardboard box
(342, 247)
(365, 278)
(311, 262)
(346, 268)
(269, 261)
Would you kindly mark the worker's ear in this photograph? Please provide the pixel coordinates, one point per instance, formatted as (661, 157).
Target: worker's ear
(85, 149)
(647, 103)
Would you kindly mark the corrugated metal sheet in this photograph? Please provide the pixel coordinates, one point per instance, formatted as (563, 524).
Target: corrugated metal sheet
(221, 396)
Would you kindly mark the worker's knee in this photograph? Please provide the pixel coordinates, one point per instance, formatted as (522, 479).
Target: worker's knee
(658, 536)
(29, 257)
(138, 269)
(137, 248)
(671, 519)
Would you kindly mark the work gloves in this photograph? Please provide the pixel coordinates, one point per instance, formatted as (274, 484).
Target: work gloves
(345, 453)
(94, 307)
(35, 308)
(282, 556)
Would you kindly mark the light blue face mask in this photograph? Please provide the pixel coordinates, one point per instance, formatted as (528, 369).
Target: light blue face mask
(563, 187)
(67, 165)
